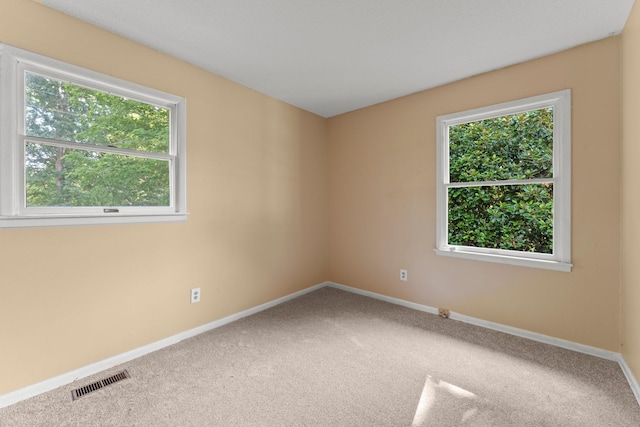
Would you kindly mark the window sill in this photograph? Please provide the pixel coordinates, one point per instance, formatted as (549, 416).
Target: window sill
(510, 260)
(73, 220)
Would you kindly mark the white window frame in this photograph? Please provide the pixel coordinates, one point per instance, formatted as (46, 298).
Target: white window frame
(560, 259)
(14, 213)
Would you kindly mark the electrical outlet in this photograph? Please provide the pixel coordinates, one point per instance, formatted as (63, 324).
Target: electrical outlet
(403, 275)
(443, 312)
(195, 295)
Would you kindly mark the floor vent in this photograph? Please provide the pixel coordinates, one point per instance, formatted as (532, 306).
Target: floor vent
(82, 391)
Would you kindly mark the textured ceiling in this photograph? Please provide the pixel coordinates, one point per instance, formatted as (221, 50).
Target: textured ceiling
(334, 56)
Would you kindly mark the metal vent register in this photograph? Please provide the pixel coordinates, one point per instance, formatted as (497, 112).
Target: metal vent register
(90, 388)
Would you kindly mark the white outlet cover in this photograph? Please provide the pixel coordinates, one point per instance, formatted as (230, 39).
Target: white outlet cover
(195, 295)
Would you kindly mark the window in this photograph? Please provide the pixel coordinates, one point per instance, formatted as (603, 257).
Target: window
(78, 147)
(504, 183)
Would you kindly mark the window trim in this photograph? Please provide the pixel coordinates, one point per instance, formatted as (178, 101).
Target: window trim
(560, 260)
(14, 63)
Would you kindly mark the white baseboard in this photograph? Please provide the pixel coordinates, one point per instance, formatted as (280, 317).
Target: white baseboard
(392, 300)
(546, 339)
(633, 382)
(60, 380)
(570, 345)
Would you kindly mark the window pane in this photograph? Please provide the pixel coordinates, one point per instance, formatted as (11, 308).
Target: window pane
(513, 217)
(57, 176)
(64, 111)
(517, 146)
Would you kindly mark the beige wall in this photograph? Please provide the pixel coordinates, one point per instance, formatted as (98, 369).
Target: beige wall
(630, 201)
(382, 202)
(256, 231)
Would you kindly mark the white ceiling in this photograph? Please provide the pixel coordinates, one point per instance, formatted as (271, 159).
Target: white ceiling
(334, 56)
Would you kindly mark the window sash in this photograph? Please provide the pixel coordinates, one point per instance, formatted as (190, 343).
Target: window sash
(498, 251)
(499, 183)
(93, 147)
(25, 69)
(24, 209)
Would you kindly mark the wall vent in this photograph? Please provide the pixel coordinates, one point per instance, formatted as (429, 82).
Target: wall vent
(90, 388)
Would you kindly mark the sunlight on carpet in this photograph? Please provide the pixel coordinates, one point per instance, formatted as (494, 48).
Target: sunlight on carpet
(428, 398)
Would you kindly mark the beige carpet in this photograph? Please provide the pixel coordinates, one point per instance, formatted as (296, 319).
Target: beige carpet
(333, 358)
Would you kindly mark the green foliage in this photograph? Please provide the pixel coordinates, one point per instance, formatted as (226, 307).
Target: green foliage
(513, 217)
(64, 176)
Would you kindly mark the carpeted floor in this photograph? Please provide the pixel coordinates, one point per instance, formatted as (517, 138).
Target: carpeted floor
(333, 358)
